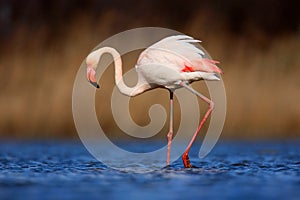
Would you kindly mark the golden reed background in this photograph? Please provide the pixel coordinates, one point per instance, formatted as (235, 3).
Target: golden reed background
(43, 44)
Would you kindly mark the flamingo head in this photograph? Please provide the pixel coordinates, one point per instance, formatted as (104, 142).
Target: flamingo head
(91, 70)
(90, 74)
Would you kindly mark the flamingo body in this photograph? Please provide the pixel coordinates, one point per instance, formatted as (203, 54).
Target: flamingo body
(172, 59)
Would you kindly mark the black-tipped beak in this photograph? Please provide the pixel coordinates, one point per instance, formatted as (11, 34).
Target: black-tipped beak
(95, 84)
(90, 75)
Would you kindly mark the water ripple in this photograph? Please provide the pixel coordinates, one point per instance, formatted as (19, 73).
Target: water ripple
(58, 170)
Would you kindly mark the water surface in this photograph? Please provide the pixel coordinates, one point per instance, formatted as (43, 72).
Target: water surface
(233, 170)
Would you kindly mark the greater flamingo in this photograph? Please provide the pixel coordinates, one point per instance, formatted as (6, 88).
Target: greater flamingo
(173, 62)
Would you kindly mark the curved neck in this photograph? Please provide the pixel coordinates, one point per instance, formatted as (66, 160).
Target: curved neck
(124, 89)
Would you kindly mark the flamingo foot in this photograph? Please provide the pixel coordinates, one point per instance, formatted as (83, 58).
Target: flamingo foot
(186, 161)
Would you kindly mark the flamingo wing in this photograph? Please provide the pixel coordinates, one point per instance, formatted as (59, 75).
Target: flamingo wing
(180, 52)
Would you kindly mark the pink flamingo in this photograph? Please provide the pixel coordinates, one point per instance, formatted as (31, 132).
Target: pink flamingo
(171, 63)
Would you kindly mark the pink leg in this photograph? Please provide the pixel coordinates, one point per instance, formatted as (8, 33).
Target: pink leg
(170, 134)
(185, 156)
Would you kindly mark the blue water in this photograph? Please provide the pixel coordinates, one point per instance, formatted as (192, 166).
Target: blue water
(233, 170)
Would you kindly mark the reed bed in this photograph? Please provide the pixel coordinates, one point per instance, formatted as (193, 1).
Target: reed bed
(38, 70)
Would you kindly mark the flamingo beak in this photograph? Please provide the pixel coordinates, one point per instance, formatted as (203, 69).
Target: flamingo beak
(95, 84)
(90, 74)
